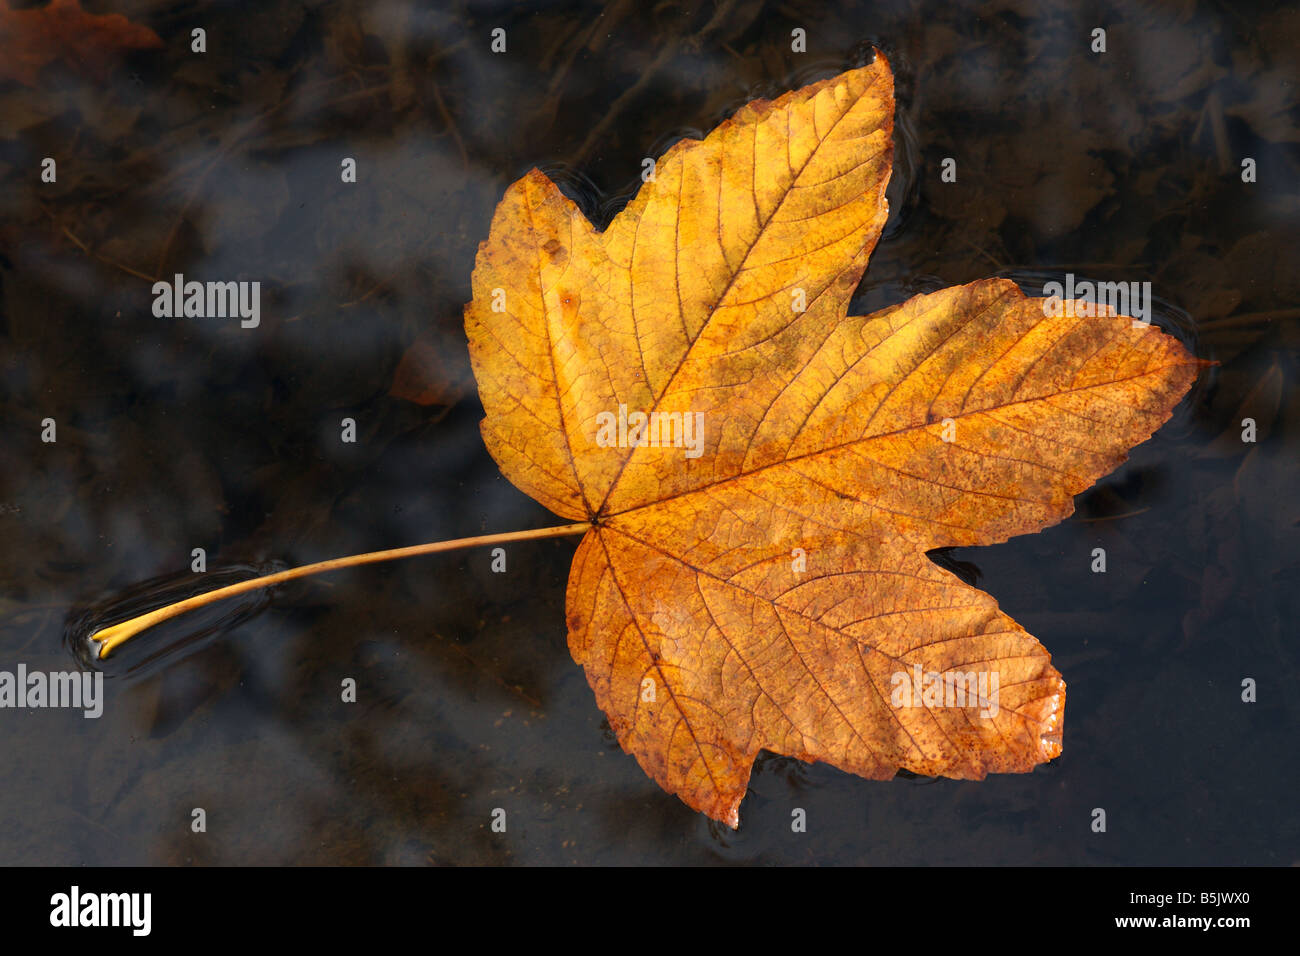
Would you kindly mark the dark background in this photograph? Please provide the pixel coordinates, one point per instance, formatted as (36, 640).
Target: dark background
(182, 433)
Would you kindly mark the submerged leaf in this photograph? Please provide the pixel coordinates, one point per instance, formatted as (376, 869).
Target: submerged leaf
(32, 39)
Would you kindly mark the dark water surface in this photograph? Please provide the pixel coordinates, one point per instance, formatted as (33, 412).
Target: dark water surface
(175, 434)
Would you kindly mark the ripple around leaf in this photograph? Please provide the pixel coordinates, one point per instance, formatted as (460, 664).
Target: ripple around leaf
(172, 640)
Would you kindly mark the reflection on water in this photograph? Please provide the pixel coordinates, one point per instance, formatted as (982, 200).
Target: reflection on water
(176, 434)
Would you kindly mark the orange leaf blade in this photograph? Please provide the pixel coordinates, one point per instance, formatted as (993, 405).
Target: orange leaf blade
(755, 577)
(699, 672)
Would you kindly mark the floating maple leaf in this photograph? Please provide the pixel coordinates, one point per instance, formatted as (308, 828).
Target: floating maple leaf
(773, 592)
(32, 39)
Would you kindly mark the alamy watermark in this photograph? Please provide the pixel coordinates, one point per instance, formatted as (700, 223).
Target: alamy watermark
(1084, 298)
(75, 908)
(920, 688)
(81, 690)
(656, 429)
(209, 300)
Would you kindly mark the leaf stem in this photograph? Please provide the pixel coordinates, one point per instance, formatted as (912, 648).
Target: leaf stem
(113, 636)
